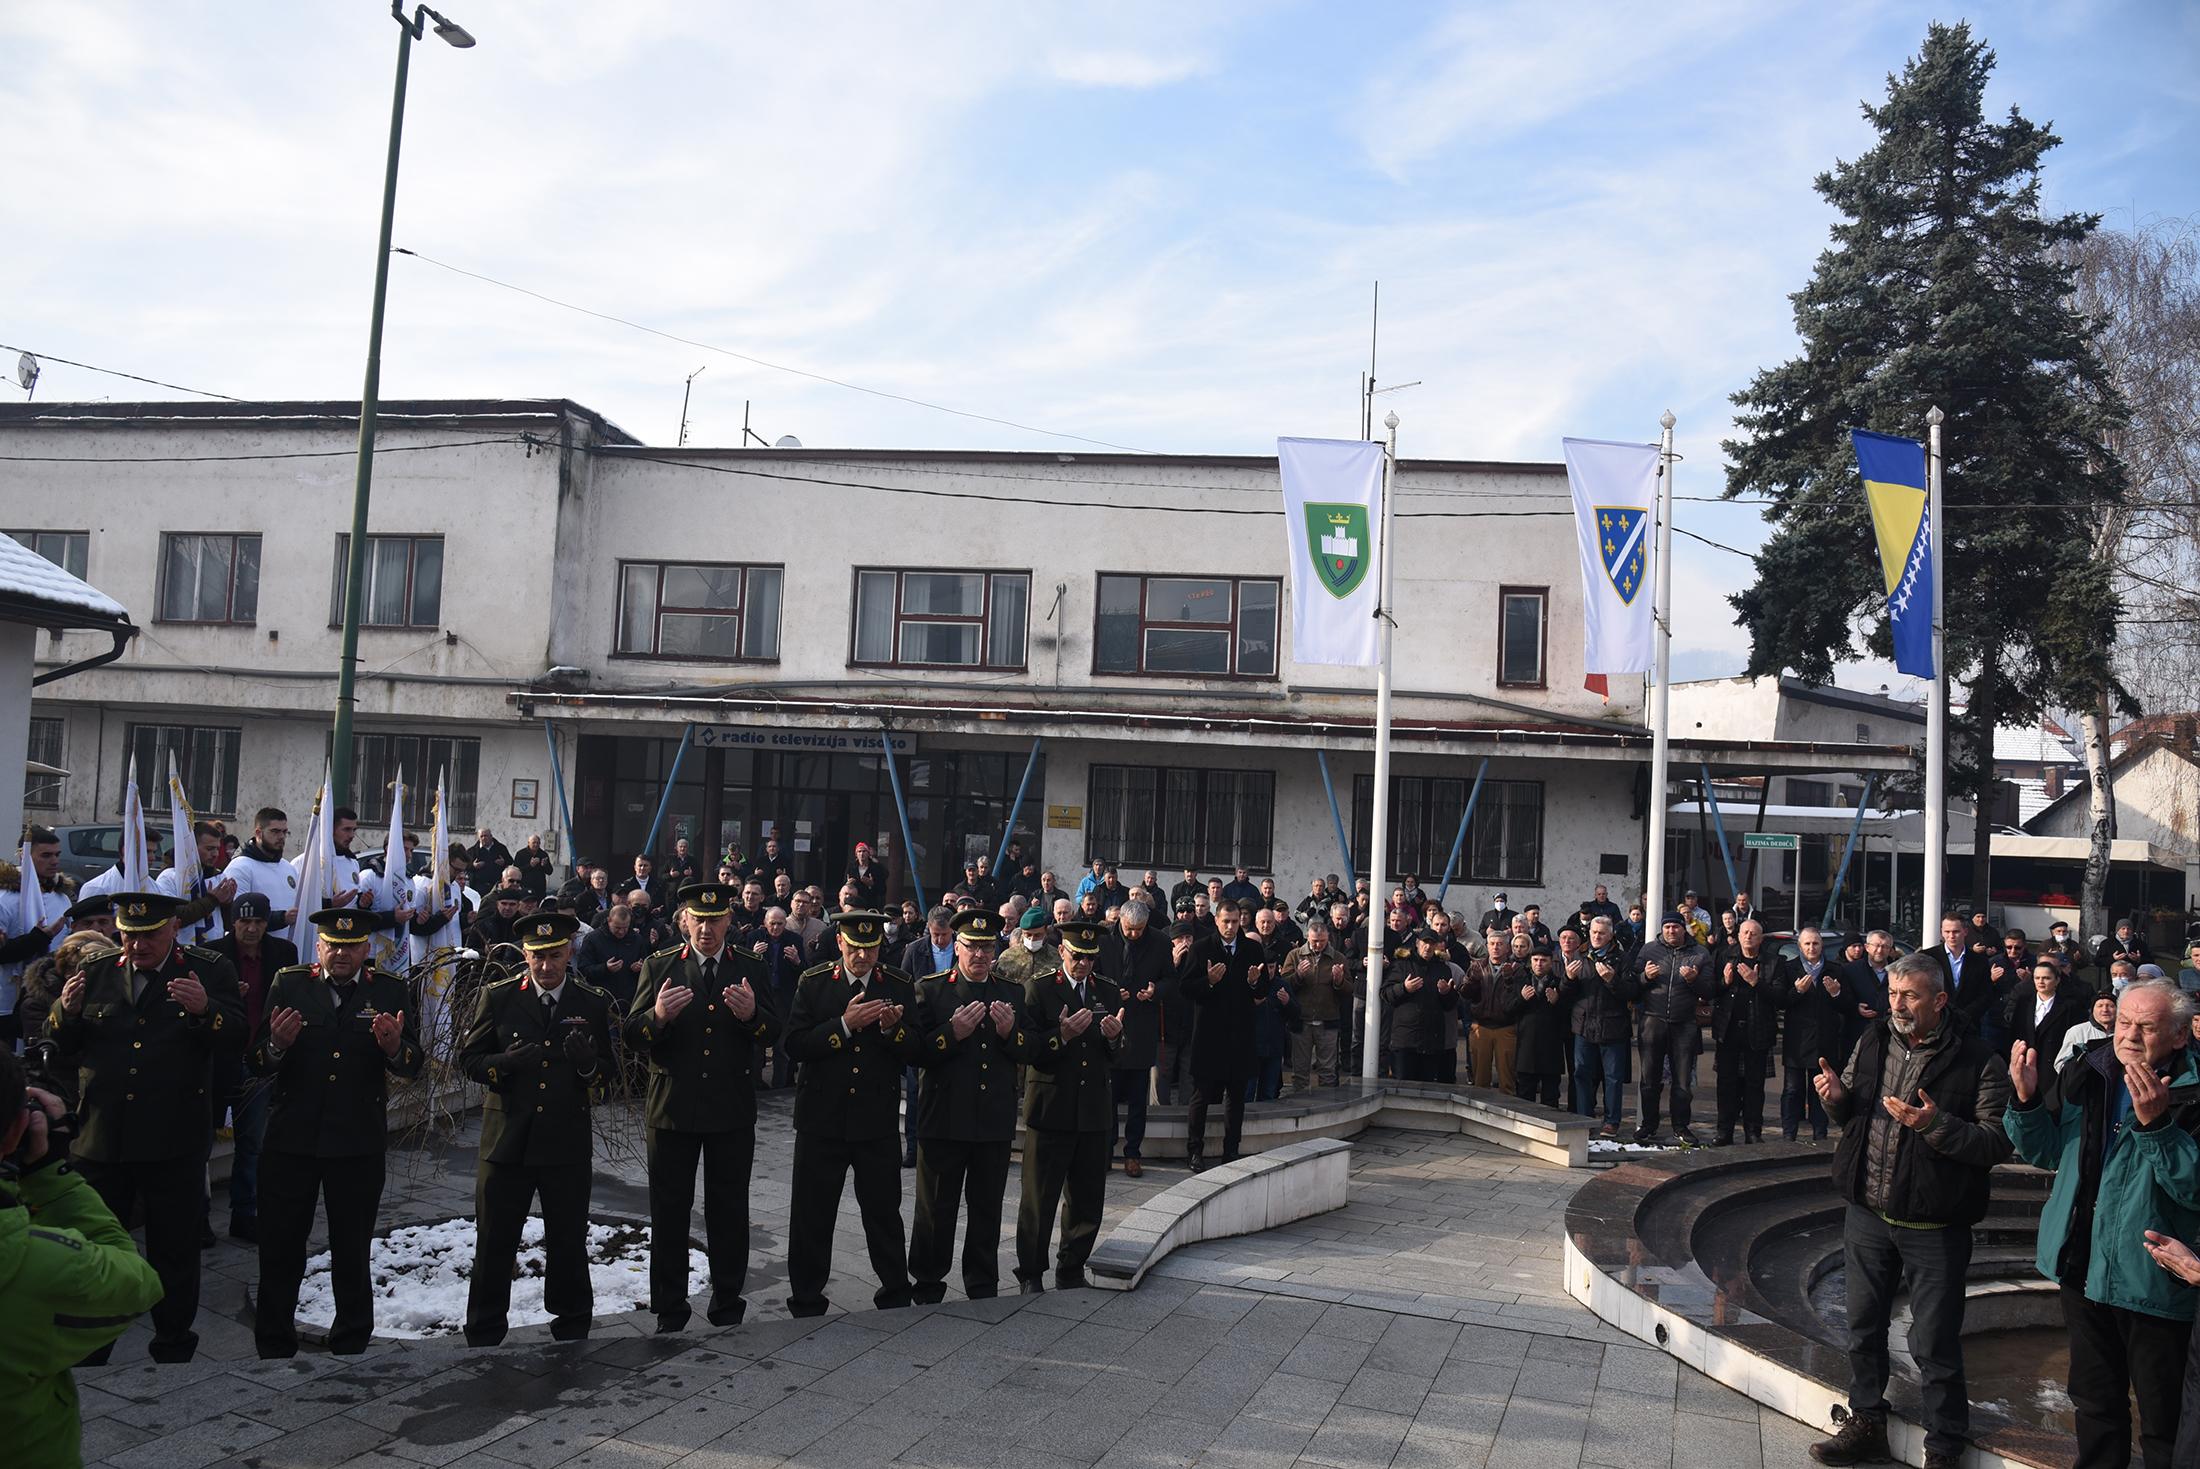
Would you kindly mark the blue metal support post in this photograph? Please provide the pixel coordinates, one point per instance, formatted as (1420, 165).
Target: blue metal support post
(687, 732)
(1344, 847)
(1015, 807)
(1841, 876)
(557, 778)
(1719, 825)
(1451, 863)
(901, 809)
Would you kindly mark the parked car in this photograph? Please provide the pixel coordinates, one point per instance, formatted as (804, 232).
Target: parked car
(87, 851)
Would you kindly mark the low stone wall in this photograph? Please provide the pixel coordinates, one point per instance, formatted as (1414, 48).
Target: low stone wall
(1259, 1191)
(1544, 1133)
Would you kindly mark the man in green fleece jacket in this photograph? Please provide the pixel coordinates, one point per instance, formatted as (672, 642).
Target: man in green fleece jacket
(2120, 1128)
(70, 1279)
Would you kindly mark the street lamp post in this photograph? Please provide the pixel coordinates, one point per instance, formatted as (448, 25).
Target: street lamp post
(355, 559)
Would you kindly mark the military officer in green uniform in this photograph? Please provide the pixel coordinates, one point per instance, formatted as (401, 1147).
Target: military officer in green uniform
(971, 1038)
(541, 1044)
(1028, 950)
(144, 1028)
(1076, 1018)
(701, 1018)
(333, 1033)
(849, 1027)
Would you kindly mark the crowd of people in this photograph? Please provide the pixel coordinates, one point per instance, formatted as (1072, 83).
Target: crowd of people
(1017, 1009)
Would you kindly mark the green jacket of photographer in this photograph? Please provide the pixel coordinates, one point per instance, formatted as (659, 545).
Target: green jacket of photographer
(71, 1281)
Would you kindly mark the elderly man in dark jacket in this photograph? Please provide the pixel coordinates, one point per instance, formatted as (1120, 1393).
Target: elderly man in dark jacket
(1137, 955)
(1920, 1107)
(1417, 993)
(1222, 976)
(1675, 975)
(1606, 985)
(1817, 1005)
(1546, 1002)
(1745, 1020)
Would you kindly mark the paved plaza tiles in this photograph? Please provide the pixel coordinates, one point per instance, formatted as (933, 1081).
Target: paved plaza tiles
(1423, 1324)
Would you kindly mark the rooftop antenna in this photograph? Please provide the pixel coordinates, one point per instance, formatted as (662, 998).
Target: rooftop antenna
(684, 393)
(26, 374)
(748, 433)
(1367, 383)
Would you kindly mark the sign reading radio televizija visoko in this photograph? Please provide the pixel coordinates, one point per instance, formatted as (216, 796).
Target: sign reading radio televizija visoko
(833, 741)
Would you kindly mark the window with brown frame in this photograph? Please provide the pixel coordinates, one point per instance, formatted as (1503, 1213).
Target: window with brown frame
(1522, 637)
(717, 613)
(912, 618)
(66, 549)
(403, 586)
(1186, 626)
(209, 578)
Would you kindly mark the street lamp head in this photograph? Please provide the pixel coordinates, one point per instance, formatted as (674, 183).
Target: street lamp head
(451, 31)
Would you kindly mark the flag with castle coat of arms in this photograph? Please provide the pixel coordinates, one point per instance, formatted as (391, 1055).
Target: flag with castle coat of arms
(1333, 511)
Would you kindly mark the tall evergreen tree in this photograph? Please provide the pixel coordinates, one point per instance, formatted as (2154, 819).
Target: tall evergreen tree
(1944, 285)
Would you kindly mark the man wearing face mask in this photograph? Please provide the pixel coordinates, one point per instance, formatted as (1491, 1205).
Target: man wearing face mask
(1029, 952)
(971, 1037)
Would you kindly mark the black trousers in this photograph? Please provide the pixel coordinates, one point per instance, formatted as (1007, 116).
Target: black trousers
(1171, 1059)
(1678, 1042)
(949, 1175)
(726, 1158)
(173, 1191)
(351, 1190)
(1232, 1096)
(821, 1168)
(1130, 1085)
(1539, 1086)
(1055, 1161)
(1741, 1089)
(503, 1192)
(2115, 1356)
(1879, 1258)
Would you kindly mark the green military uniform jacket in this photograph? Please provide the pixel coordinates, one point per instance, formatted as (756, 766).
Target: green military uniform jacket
(1018, 965)
(967, 1093)
(332, 1084)
(145, 1067)
(536, 1114)
(1069, 1089)
(849, 1087)
(702, 1064)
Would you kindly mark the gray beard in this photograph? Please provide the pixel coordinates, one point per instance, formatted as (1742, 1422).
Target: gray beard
(1904, 1025)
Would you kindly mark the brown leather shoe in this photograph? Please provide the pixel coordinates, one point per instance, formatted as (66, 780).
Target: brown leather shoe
(1132, 1168)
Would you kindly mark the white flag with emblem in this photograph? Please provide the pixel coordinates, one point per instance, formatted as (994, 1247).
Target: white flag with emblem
(1615, 490)
(1332, 508)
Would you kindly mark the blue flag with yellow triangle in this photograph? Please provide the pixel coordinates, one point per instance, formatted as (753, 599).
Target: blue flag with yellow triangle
(1894, 484)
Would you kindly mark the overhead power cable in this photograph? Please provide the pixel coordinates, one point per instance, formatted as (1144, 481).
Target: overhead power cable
(820, 377)
(115, 372)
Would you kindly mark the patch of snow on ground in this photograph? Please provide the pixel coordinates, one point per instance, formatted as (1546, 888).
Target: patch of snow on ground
(1615, 1145)
(421, 1273)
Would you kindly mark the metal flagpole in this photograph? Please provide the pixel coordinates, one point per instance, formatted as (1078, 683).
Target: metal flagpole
(1936, 702)
(1378, 862)
(1655, 899)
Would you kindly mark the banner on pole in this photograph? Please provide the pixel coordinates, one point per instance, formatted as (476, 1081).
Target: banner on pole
(1614, 487)
(1894, 484)
(1332, 509)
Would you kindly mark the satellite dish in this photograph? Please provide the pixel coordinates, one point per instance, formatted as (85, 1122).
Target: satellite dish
(787, 441)
(26, 371)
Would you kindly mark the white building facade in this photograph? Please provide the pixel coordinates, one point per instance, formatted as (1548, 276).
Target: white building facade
(615, 645)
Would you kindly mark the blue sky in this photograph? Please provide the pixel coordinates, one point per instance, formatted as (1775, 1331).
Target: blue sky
(1155, 226)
